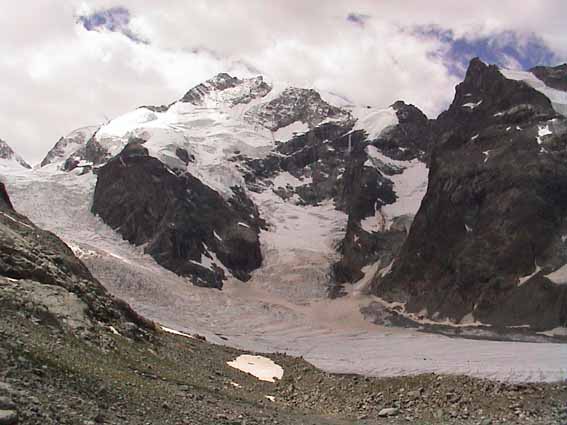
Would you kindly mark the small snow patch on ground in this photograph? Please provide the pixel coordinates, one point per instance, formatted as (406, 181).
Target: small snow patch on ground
(261, 367)
(174, 332)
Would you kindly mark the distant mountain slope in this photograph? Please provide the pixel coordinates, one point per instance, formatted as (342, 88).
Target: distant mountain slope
(68, 145)
(234, 143)
(8, 158)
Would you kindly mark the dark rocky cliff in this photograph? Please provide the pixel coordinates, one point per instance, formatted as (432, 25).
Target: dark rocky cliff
(491, 225)
(185, 225)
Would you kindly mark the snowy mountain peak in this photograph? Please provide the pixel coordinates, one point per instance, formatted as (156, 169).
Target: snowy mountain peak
(9, 158)
(69, 144)
(224, 88)
(292, 105)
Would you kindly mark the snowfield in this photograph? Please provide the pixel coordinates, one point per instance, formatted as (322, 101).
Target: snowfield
(283, 307)
(410, 186)
(261, 367)
(558, 98)
(373, 120)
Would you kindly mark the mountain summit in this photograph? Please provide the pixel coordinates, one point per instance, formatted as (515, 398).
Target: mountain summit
(10, 158)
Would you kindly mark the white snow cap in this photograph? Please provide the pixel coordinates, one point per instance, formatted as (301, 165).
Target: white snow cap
(261, 367)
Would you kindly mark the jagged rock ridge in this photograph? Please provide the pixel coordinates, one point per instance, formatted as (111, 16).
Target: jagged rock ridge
(488, 237)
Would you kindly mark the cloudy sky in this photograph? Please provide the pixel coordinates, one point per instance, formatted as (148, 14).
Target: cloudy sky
(71, 63)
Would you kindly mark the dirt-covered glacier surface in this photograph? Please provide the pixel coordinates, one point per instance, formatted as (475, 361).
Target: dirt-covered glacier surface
(283, 308)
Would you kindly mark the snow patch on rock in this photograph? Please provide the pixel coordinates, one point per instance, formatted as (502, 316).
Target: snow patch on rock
(261, 367)
(410, 187)
(374, 120)
(558, 98)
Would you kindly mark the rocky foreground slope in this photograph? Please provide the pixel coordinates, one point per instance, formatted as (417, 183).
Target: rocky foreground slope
(72, 354)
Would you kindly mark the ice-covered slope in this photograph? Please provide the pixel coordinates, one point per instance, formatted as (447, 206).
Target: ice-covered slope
(557, 97)
(69, 144)
(220, 118)
(247, 140)
(264, 314)
(9, 159)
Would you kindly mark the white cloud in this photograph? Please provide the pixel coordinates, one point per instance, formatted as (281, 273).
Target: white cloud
(57, 76)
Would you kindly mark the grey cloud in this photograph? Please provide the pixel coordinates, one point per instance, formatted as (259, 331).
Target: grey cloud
(57, 76)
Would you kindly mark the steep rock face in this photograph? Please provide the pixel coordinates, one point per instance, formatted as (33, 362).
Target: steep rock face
(91, 154)
(8, 154)
(37, 268)
(491, 225)
(230, 89)
(368, 188)
(328, 162)
(294, 105)
(66, 146)
(411, 138)
(185, 225)
(316, 158)
(554, 77)
(5, 201)
(333, 161)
